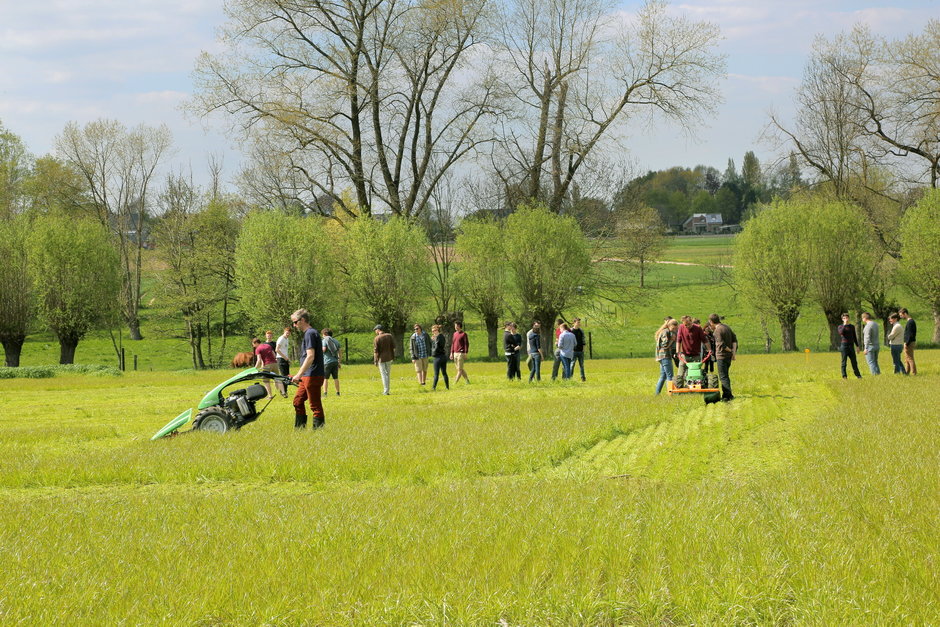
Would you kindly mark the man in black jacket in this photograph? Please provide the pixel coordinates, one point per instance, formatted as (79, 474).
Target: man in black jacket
(910, 341)
(848, 345)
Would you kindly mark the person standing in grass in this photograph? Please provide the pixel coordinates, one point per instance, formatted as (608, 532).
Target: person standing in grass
(310, 375)
(265, 362)
(566, 344)
(534, 343)
(726, 349)
(689, 341)
(579, 345)
(910, 341)
(383, 353)
(870, 342)
(511, 346)
(282, 352)
(896, 343)
(557, 362)
(331, 361)
(848, 344)
(439, 352)
(665, 350)
(420, 350)
(459, 348)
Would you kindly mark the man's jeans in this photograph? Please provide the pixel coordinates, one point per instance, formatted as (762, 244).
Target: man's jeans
(555, 364)
(535, 370)
(872, 358)
(567, 365)
(896, 350)
(385, 369)
(723, 365)
(579, 358)
(665, 373)
(848, 352)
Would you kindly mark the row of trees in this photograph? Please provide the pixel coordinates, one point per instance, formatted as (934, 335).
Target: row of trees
(813, 250)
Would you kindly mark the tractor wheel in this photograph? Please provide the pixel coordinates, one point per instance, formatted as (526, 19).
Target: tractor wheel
(214, 420)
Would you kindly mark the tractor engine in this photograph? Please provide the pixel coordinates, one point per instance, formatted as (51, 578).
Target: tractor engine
(241, 403)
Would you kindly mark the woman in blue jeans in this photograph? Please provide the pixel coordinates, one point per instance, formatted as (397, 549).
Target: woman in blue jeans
(665, 351)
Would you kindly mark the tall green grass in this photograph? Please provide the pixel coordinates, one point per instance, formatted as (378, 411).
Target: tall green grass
(808, 500)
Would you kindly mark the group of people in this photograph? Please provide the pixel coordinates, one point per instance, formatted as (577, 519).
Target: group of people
(684, 342)
(568, 350)
(901, 340)
(678, 343)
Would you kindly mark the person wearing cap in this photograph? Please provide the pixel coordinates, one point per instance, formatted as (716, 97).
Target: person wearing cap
(383, 353)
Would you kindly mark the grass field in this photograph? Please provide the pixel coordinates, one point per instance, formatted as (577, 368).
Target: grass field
(807, 500)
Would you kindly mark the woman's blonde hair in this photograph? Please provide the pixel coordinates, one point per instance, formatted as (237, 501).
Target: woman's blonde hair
(672, 322)
(435, 328)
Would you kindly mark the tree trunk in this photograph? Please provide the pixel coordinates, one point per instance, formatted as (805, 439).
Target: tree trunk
(67, 345)
(398, 334)
(133, 327)
(834, 319)
(788, 333)
(642, 271)
(936, 323)
(12, 347)
(492, 336)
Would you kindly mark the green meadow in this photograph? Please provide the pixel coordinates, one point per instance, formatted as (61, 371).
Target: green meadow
(807, 500)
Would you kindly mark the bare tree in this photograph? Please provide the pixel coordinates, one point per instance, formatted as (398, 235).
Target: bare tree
(118, 165)
(578, 77)
(378, 96)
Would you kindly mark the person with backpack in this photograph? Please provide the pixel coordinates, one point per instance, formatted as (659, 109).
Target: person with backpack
(331, 359)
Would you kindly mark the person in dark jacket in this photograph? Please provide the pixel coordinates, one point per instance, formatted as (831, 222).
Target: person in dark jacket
(512, 344)
(910, 341)
(578, 344)
(534, 342)
(848, 345)
(439, 353)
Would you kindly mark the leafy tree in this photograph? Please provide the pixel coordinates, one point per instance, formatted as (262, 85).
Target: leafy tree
(483, 275)
(770, 265)
(15, 162)
(18, 300)
(75, 270)
(387, 264)
(118, 166)
(920, 261)
(196, 242)
(54, 185)
(839, 249)
(282, 263)
(550, 263)
(642, 235)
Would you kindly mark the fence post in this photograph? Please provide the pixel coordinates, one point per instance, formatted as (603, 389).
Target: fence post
(122, 359)
(590, 346)
(135, 362)
(346, 354)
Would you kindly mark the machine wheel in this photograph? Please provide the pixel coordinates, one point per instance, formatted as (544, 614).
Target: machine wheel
(214, 420)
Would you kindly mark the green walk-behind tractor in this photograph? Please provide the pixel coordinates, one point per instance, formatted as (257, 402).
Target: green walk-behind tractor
(696, 381)
(218, 413)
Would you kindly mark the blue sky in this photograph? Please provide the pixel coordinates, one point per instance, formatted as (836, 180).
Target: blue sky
(64, 60)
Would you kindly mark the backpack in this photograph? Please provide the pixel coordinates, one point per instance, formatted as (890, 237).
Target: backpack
(332, 346)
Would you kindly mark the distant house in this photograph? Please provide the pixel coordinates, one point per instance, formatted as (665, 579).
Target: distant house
(703, 223)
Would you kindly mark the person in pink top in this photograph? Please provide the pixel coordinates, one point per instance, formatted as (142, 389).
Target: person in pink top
(266, 361)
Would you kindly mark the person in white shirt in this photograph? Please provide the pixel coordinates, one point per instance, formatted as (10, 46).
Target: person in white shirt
(871, 344)
(282, 352)
(896, 342)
